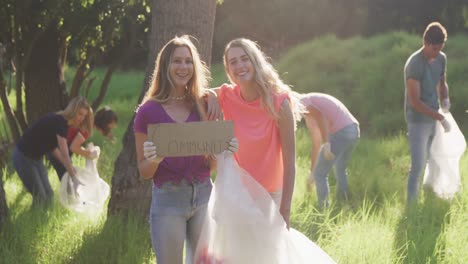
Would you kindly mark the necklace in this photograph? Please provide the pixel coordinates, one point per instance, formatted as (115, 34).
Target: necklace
(178, 98)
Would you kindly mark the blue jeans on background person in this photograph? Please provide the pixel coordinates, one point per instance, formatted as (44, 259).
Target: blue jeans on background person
(177, 215)
(33, 174)
(420, 136)
(342, 145)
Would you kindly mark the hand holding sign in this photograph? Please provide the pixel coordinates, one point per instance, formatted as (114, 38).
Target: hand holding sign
(233, 146)
(191, 139)
(149, 151)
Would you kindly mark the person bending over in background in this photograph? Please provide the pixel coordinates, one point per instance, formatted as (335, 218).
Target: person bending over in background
(76, 136)
(105, 120)
(48, 134)
(334, 132)
(425, 84)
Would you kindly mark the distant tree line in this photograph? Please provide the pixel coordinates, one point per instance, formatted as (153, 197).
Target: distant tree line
(280, 24)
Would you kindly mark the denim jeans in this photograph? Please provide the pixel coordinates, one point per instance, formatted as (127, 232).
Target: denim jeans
(177, 214)
(342, 145)
(33, 174)
(420, 136)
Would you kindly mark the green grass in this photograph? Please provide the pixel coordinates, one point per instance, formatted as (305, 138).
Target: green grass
(374, 226)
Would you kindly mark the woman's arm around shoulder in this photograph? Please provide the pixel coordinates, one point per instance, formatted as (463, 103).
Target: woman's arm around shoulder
(212, 104)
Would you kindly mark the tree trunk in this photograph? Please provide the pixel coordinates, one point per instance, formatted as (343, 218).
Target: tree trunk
(3, 205)
(169, 18)
(44, 82)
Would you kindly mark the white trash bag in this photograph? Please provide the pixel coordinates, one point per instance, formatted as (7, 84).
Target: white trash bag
(243, 225)
(442, 171)
(87, 192)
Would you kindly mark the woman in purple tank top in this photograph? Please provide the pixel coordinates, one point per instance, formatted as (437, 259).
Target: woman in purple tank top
(181, 185)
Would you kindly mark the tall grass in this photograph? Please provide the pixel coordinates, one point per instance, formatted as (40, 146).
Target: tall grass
(374, 226)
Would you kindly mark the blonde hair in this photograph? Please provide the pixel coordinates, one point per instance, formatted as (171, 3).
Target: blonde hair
(72, 109)
(161, 83)
(266, 76)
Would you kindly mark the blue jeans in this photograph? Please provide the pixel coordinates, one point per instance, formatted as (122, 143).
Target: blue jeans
(342, 145)
(420, 136)
(33, 174)
(177, 214)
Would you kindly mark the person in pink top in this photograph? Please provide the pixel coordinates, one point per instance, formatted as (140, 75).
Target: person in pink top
(249, 208)
(259, 104)
(334, 132)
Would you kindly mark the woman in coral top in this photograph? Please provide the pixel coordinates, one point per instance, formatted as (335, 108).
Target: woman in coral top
(259, 104)
(249, 208)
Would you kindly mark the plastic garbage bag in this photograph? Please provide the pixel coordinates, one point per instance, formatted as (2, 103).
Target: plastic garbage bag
(243, 225)
(86, 192)
(442, 171)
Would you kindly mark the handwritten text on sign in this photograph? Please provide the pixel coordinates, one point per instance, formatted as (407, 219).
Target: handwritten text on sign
(193, 138)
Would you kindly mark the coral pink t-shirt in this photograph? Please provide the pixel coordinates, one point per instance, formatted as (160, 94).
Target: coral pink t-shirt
(259, 151)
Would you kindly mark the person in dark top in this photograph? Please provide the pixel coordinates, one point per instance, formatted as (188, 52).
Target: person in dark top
(48, 134)
(76, 136)
(104, 120)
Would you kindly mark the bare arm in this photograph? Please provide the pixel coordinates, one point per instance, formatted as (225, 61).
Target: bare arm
(414, 93)
(214, 110)
(321, 122)
(62, 151)
(442, 88)
(145, 167)
(58, 155)
(288, 145)
(316, 136)
(77, 146)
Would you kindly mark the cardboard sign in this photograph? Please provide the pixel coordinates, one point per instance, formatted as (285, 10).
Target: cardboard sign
(192, 138)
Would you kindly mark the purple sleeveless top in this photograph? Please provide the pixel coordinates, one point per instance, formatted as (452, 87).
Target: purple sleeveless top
(171, 169)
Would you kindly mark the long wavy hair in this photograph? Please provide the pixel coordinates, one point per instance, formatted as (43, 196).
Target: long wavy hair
(162, 84)
(266, 76)
(72, 109)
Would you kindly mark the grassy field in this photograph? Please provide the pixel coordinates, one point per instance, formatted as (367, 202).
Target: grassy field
(374, 226)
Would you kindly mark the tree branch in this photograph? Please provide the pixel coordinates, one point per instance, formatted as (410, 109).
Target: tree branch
(107, 78)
